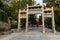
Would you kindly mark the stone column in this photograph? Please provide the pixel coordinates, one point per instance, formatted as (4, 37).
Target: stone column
(19, 28)
(27, 19)
(53, 21)
(9, 22)
(43, 26)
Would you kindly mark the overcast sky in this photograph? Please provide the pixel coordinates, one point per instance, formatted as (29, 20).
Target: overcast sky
(39, 1)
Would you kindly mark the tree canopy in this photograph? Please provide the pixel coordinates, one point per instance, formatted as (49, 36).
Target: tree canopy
(56, 5)
(3, 13)
(16, 5)
(53, 3)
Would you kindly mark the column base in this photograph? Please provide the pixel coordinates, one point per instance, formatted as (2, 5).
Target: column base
(54, 31)
(18, 30)
(26, 30)
(43, 31)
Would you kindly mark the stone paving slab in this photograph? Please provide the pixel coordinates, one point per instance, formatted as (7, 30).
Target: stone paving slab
(32, 36)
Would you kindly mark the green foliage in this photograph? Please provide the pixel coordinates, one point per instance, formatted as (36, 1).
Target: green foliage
(57, 17)
(16, 5)
(23, 23)
(49, 3)
(58, 0)
(3, 16)
(1, 5)
(11, 10)
(58, 28)
(48, 22)
(56, 11)
(30, 2)
(32, 18)
(40, 19)
(52, 3)
(3, 12)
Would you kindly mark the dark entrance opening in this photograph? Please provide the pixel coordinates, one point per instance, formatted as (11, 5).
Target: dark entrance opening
(23, 24)
(48, 24)
(35, 22)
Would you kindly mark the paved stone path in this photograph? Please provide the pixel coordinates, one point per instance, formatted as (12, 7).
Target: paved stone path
(32, 36)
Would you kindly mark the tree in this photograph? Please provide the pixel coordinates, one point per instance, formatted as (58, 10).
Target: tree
(1, 5)
(54, 3)
(50, 3)
(32, 19)
(57, 17)
(16, 5)
(3, 14)
(40, 19)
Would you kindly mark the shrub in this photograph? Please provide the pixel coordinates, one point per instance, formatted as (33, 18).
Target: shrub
(4, 26)
(23, 21)
(14, 24)
(58, 28)
(3, 16)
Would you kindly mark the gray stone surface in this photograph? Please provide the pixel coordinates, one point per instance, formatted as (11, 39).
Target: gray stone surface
(32, 36)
